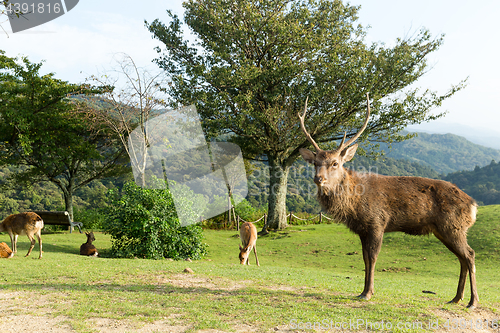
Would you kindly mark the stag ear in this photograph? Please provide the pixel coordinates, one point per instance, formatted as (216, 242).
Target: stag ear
(348, 153)
(307, 155)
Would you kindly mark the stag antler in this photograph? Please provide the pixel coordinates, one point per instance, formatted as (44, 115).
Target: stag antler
(354, 138)
(342, 145)
(303, 127)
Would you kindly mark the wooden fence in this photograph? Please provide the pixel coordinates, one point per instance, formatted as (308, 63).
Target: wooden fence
(290, 218)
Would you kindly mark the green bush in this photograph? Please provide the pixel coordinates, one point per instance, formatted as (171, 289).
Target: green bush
(143, 223)
(92, 219)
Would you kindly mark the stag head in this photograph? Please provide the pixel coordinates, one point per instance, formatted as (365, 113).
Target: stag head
(329, 163)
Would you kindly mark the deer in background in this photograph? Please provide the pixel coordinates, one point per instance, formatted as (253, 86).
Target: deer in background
(88, 249)
(371, 205)
(248, 236)
(30, 224)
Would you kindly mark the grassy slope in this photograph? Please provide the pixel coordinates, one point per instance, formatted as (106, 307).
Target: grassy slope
(305, 274)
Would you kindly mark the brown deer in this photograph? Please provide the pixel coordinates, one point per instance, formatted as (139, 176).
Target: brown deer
(371, 205)
(248, 236)
(29, 223)
(88, 249)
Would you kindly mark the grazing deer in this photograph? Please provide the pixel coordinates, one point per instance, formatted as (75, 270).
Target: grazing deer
(24, 223)
(88, 249)
(248, 236)
(371, 205)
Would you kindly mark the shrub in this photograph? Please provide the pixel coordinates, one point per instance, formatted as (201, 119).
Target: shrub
(143, 223)
(92, 219)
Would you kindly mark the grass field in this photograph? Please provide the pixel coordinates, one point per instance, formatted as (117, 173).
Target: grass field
(309, 275)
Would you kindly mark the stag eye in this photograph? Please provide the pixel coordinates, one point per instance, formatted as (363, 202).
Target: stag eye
(335, 164)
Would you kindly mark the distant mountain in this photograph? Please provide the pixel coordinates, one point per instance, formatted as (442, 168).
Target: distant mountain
(444, 153)
(481, 136)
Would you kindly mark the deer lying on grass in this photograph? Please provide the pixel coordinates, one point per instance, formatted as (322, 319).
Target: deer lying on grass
(88, 249)
(29, 224)
(371, 205)
(248, 236)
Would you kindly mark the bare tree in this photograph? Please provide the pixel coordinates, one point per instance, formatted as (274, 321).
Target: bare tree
(371, 205)
(132, 97)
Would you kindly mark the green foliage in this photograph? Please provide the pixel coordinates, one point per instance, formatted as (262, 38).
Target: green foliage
(444, 153)
(143, 223)
(245, 210)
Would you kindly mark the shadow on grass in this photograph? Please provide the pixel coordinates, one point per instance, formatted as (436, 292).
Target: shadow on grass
(47, 247)
(170, 289)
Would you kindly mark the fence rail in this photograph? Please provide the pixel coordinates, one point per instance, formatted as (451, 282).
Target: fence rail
(290, 217)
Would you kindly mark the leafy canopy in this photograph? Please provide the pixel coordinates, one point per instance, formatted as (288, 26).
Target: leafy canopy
(253, 64)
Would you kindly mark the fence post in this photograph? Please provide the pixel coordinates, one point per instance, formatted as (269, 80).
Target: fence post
(291, 219)
(320, 217)
(237, 223)
(229, 206)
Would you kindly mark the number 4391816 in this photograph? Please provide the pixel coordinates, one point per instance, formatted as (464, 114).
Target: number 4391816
(19, 8)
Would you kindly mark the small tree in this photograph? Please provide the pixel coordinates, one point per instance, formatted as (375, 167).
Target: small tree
(41, 129)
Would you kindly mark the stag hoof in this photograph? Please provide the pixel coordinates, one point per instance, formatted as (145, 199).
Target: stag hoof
(454, 301)
(471, 306)
(364, 297)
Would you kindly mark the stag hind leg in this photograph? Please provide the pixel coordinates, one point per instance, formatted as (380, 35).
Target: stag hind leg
(32, 239)
(371, 245)
(255, 252)
(457, 244)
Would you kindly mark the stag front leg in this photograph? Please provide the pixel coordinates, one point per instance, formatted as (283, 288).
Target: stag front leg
(371, 248)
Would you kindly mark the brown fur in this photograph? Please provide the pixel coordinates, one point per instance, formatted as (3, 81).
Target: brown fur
(5, 251)
(371, 205)
(29, 224)
(248, 236)
(88, 249)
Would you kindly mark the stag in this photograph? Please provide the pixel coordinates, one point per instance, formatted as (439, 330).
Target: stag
(371, 205)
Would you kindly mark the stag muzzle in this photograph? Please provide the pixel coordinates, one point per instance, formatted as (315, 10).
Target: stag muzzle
(319, 180)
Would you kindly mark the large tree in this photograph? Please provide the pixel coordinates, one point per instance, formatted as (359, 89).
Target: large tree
(252, 64)
(42, 129)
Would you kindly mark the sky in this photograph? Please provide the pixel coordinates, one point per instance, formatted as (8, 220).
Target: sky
(86, 40)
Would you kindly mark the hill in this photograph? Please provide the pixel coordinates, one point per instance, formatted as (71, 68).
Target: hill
(444, 153)
(483, 184)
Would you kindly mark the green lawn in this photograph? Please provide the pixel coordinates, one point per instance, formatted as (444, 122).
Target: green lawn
(308, 274)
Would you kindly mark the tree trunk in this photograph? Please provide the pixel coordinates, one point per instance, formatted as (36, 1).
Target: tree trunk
(278, 179)
(68, 203)
(68, 198)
